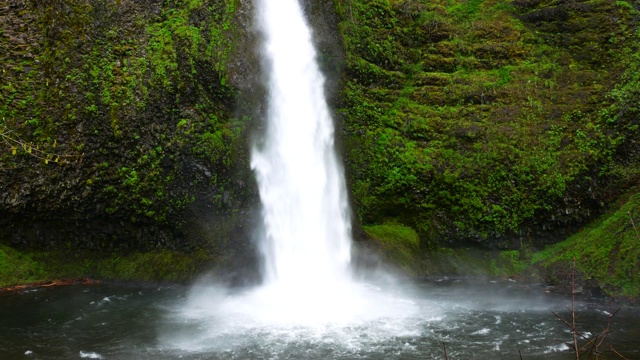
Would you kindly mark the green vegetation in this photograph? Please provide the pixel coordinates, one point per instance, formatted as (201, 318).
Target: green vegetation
(122, 111)
(487, 120)
(157, 266)
(502, 123)
(607, 251)
(475, 262)
(187, 41)
(18, 268)
(400, 244)
(154, 266)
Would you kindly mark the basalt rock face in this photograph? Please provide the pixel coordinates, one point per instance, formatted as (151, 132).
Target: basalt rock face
(125, 124)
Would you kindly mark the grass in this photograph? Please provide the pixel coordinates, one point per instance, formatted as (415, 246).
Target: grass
(17, 268)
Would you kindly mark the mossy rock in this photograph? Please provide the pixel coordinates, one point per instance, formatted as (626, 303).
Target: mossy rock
(399, 242)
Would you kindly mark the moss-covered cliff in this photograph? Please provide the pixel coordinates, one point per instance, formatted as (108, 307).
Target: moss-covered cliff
(498, 122)
(124, 124)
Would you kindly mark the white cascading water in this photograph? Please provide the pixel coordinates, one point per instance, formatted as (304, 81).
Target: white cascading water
(307, 226)
(306, 244)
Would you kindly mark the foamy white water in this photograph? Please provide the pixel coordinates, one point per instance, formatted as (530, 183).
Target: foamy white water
(306, 219)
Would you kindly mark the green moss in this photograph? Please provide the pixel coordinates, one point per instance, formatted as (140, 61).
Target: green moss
(607, 251)
(24, 267)
(19, 268)
(512, 262)
(475, 262)
(463, 10)
(155, 266)
(400, 242)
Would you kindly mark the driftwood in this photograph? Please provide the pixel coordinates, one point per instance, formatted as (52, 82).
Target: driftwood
(50, 283)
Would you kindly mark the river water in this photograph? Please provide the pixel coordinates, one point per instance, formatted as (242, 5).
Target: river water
(477, 320)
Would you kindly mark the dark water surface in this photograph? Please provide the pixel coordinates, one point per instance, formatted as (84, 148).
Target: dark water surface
(479, 320)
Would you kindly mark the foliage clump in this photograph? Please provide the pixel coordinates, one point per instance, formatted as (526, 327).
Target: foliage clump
(606, 252)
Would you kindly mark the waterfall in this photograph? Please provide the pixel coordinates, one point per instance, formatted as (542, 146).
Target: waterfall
(306, 237)
(308, 293)
(307, 231)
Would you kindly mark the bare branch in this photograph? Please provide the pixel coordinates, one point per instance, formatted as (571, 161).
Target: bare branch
(634, 225)
(14, 142)
(573, 309)
(617, 353)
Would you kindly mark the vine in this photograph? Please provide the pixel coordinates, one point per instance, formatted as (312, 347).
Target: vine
(14, 143)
